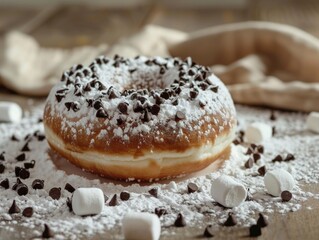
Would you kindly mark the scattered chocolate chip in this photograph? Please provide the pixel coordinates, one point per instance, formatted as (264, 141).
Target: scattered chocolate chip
(254, 230)
(289, 157)
(193, 94)
(68, 105)
(38, 184)
(256, 157)
(249, 163)
(2, 158)
(20, 157)
(201, 104)
(14, 208)
(112, 94)
(5, 183)
(160, 212)
(286, 196)
(214, 89)
(146, 116)
(124, 196)
(231, 221)
(272, 116)
(262, 221)
(17, 171)
(101, 113)
(153, 192)
(260, 149)
(69, 204)
(209, 231)
(165, 95)
(47, 233)
(262, 171)
(278, 158)
(22, 189)
(192, 187)
(180, 221)
(41, 137)
(14, 138)
(29, 165)
(59, 97)
(249, 151)
(180, 115)
(55, 193)
(2, 167)
(132, 70)
(175, 102)
(155, 109)
(274, 131)
(14, 187)
(28, 212)
(24, 173)
(69, 187)
(162, 70)
(113, 202)
(122, 107)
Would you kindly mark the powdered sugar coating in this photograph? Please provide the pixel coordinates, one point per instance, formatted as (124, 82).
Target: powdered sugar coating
(92, 95)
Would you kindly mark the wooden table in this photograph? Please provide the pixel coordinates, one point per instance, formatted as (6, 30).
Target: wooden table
(71, 26)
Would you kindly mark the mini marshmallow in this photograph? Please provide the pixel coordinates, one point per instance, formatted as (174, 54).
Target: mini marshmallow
(138, 225)
(228, 192)
(87, 201)
(278, 180)
(10, 112)
(258, 132)
(312, 122)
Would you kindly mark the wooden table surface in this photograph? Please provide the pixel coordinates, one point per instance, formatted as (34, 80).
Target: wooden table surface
(71, 26)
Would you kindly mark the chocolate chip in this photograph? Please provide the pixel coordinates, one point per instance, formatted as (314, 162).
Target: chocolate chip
(138, 107)
(17, 171)
(132, 70)
(47, 233)
(249, 151)
(289, 157)
(158, 100)
(262, 171)
(249, 163)
(112, 94)
(29, 165)
(256, 157)
(41, 137)
(180, 115)
(113, 202)
(55, 193)
(175, 102)
(64, 77)
(165, 95)
(69, 204)
(286, 196)
(180, 221)
(76, 106)
(14, 208)
(278, 158)
(68, 105)
(146, 116)
(101, 113)
(272, 116)
(162, 70)
(38, 184)
(193, 94)
(22, 189)
(214, 88)
(20, 157)
(59, 97)
(5, 183)
(262, 221)
(87, 88)
(179, 90)
(2, 158)
(24, 173)
(201, 104)
(2, 167)
(231, 221)
(254, 230)
(192, 187)
(122, 107)
(274, 131)
(160, 212)
(69, 187)
(28, 212)
(14, 187)
(209, 231)
(124, 196)
(198, 77)
(260, 149)
(153, 192)
(155, 109)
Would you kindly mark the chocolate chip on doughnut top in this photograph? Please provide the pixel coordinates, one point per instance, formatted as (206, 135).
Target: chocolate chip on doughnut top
(125, 98)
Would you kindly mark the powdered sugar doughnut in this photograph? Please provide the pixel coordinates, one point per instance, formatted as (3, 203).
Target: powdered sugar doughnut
(142, 118)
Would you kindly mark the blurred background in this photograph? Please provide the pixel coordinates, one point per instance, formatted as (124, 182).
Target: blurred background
(69, 23)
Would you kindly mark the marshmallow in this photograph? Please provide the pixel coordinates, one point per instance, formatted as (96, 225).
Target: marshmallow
(258, 132)
(10, 112)
(138, 225)
(87, 201)
(228, 192)
(313, 122)
(278, 180)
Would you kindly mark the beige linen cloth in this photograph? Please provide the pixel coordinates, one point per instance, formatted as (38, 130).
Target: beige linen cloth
(261, 63)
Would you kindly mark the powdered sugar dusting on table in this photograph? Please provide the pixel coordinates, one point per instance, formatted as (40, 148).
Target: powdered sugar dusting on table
(291, 137)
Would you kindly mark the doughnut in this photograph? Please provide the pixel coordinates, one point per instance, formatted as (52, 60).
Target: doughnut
(141, 119)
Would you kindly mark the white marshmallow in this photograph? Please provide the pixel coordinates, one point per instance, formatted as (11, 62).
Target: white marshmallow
(87, 201)
(278, 180)
(138, 225)
(228, 192)
(313, 122)
(10, 112)
(258, 132)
